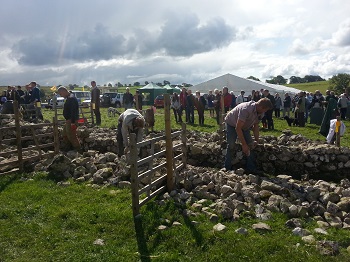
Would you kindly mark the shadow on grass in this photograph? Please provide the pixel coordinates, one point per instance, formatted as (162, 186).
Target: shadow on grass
(7, 180)
(195, 233)
(141, 240)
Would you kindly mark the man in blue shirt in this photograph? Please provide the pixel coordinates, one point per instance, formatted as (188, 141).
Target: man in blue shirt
(35, 100)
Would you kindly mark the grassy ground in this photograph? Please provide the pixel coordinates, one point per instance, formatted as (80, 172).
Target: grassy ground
(312, 87)
(41, 221)
(310, 131)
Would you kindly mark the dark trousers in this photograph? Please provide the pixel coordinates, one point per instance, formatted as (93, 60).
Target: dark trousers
(269, 119)
(183, 108)
(343, 113)
(218, 115)
(190, 114)
(301, 119)
(201, 117)
(231, 137)
(277, 112)
(97, 115)
(177, 115)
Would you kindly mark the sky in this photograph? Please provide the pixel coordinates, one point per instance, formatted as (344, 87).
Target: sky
(183, 41)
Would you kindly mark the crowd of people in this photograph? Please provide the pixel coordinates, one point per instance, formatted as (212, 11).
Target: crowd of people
(296, 106)
(28, 98)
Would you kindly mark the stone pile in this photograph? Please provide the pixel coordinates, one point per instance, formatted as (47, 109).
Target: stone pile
(231, 195)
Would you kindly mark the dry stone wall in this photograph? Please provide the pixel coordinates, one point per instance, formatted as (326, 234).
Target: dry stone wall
(287, 154)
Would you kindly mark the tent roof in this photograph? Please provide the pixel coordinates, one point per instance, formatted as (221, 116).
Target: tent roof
(151, 86)
(236, 84)
(168, 87)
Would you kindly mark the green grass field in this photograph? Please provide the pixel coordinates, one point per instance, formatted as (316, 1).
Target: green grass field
(42, 221)
(312, 87)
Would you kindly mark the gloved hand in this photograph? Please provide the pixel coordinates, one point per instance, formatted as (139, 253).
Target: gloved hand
(126, 150)
(73, 127)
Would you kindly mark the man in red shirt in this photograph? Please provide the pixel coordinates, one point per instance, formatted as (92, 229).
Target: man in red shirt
(183, 96)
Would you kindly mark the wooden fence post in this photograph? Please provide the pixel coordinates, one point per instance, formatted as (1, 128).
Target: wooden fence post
(222, 106)
(169, 144)
(56, 138)
(137, 102)
(184, 144)
(18, 136)
(134, 175)
(337, 131)
(92, 107)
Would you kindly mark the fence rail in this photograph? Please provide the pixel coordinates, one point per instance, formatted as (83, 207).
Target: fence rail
(146, 185)
(24, 134)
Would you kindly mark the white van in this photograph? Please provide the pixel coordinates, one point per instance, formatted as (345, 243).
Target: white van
(82, 96)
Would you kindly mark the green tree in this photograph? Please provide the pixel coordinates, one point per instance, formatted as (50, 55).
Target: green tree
(278, 80)
(146, 82)
(296, 80)
(253, 78)
(340, 83)
(137, 84)
(311, 78)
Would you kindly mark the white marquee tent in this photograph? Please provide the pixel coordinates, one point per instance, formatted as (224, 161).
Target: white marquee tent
(236, 84)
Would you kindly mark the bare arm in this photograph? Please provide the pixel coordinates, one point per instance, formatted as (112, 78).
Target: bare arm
(240, 135)
(256, 132)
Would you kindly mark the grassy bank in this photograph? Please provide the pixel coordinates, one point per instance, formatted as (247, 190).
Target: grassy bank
(312, 87)
(41, 221)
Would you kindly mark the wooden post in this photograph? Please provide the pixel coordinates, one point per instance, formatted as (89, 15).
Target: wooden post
(92, 107)
(221, 119)
(337, 131)
(134, 175)
(150, 167)
(18, 136)
(137, 102)
(169, 144)
(222, 106)
(184, 144)
(56, 138)
(54, 103)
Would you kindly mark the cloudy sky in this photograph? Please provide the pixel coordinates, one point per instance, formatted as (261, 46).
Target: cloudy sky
(76, 41)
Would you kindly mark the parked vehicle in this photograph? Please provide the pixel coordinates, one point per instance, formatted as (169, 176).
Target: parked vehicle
(82, 96)
(159, 101)
(112, 100)
(59, 102)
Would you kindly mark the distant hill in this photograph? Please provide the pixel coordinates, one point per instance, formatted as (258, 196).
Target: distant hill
(312, 87)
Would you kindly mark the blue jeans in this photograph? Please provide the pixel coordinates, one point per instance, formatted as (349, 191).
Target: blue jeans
(231, 137)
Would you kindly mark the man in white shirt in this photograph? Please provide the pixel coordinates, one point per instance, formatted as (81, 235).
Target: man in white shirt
(129, 121)
(240, 98)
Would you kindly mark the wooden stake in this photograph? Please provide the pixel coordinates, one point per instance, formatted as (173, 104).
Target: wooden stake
(56, 138)
(337, 131)
(18, 136)
(134, 175)
(169, 144)
(184, 144)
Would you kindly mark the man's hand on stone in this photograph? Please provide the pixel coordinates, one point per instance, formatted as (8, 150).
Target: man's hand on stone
(126, 150)
(245, 149)
(253, 145)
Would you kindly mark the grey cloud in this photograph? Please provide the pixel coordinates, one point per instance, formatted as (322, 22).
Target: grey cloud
(342, 36)
(94, 45)
(179, 36)
(184, 36)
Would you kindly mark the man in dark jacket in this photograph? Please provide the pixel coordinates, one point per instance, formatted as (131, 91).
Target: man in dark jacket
(95, 102)
(71, 114)
(128, 99)
(287, 103)
(268, 115)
